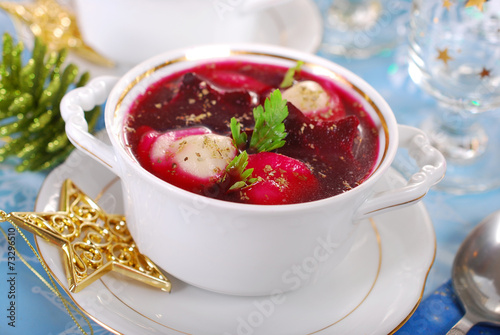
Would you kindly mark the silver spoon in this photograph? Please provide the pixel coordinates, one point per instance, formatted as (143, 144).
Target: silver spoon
(476, 276)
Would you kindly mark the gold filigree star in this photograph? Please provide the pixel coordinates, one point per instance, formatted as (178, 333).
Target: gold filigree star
(444, 56)
(485, 73)
(476, 3)
(447, 4)
(93, 241)
(55, 25)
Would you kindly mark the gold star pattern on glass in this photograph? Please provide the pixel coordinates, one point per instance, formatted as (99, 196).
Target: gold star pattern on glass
(447, 4)
(444, 56)
(93, 241)
(485, 73)
(55, 25)
(476, 3)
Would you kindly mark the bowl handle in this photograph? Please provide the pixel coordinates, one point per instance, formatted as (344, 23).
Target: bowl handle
(73, 105)
(432, 169)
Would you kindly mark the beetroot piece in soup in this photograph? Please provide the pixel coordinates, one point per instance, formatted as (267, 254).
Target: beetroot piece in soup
(330, 143)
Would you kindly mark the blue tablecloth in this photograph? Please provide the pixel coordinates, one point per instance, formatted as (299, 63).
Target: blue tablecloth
(438, 313)
(39, 311)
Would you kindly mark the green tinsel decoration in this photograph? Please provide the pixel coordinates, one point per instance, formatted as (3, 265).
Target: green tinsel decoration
(30, 120)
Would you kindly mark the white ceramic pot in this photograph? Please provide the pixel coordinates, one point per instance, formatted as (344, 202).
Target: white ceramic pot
(240, 248)
(130, 31)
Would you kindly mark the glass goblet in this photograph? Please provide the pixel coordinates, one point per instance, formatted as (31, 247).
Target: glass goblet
(454, 55)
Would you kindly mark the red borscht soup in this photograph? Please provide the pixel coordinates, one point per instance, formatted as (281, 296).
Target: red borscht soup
(253, 133)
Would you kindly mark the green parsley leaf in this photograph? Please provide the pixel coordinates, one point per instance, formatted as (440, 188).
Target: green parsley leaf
(269, 130)
(290, 74)
(239, 138)
(237, 171)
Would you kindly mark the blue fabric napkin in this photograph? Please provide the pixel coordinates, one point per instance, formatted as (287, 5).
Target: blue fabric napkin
(438, 313)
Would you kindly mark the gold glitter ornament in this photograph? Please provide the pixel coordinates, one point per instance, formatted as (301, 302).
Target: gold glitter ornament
(93, 241)
(56, 27)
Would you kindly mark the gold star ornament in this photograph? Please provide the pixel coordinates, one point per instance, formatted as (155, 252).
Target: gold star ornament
(447, 4)
(476, 3)
(93, 242)
(485, 73)
(444, 56)
(55, 25)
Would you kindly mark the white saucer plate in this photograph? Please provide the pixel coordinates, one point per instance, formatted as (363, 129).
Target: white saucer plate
(374, 291)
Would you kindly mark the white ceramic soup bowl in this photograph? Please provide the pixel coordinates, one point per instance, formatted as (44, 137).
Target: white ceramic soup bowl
(235, 248)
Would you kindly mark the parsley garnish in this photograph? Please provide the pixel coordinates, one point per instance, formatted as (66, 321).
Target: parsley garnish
(290, 74)
(237, 169)
(240, 139)
(268, 134)
(269, 130)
